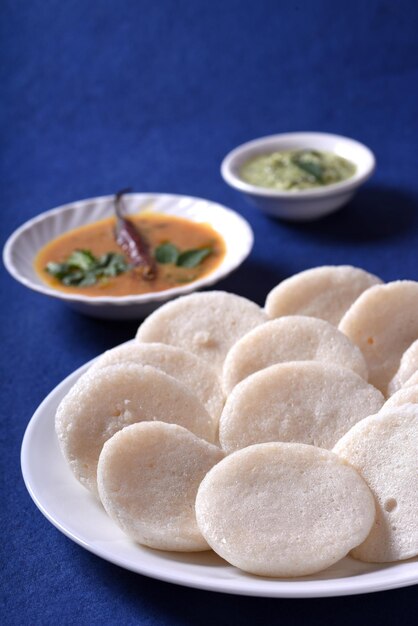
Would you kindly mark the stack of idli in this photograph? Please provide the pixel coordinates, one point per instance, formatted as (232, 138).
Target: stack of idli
(265, 434)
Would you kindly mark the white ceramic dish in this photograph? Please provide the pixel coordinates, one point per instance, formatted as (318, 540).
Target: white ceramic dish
(78, 515)
(307, 204)
(23, 245)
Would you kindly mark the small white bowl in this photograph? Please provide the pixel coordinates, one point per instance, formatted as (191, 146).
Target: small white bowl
(23, 245)
(307, 204)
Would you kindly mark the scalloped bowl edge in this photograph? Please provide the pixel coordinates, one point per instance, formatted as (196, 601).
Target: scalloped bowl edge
(22, 246)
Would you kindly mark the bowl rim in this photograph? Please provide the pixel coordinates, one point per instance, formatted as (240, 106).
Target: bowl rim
(335, 189)
(222, 270)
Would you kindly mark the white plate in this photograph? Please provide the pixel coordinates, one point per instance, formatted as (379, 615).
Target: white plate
(78, 515)
(23, 245)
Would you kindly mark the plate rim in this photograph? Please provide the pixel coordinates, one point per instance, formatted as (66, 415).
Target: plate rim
(274, 588)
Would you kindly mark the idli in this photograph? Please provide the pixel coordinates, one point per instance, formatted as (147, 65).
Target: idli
(283, 509)
(290, 338)
(383, 448)
(148, 475)
(407, 367)
(325, 292)
(304, 402)
(405, 395)
(207, 324)
(104, 401)
(383, 322)
(412, 381)
(184, 366)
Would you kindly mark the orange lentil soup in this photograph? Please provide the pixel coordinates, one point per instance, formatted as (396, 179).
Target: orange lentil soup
(156, 229)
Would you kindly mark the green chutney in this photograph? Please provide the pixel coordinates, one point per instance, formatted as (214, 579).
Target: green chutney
(293, 170)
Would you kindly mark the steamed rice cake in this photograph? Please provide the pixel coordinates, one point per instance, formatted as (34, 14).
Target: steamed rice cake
(207, 324)
(383, 449)
(188, 369)
(325, 292)
(283, 509)
(407, 368)
(148, 475)
(103, 402)
(383, 322)
(304, 401)
(290, 338)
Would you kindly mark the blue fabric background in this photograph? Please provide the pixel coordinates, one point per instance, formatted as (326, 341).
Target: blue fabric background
(97, 96)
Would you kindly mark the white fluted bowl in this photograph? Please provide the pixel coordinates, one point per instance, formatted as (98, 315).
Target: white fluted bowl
(23, 245)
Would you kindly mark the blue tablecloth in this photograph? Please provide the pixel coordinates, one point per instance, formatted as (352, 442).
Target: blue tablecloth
(99, 96)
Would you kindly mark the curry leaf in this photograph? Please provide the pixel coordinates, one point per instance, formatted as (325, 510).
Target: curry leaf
(89, 279)
(82, 259)
(314, 169)
(83, 269)
(58, 270)
(192, 258)
(167, 253)
(115, 264)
